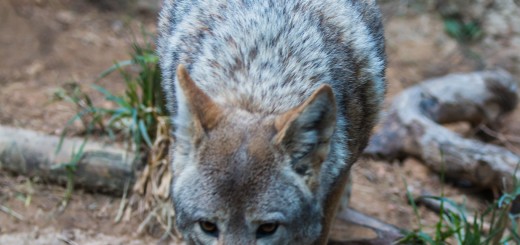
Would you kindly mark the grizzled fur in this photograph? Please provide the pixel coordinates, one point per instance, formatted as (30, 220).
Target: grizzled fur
(272, 103)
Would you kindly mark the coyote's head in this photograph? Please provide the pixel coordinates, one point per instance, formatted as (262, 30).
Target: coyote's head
(247, 178)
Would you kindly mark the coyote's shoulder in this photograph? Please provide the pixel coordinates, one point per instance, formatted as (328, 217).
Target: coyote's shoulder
(271, 100)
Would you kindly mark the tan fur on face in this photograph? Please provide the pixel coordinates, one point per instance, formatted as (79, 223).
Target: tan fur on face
(240, 148)
(238, 176)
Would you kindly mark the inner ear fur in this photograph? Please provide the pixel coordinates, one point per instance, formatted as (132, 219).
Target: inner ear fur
(203, 112)
(305, 132)
(317, 113)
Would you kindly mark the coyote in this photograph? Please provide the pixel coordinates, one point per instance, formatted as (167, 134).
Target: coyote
(272, 101)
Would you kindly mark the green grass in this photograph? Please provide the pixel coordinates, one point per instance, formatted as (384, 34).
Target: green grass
(137, 111)
(138, 117)
(463, 31)
(495, 225)
(70, 169)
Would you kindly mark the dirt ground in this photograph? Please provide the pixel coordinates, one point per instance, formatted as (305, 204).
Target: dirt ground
(46, 44)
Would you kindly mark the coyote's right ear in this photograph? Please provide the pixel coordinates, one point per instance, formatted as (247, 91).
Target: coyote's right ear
(197, 112)
(305, 133)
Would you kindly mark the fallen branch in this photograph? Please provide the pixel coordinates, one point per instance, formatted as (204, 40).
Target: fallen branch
(101, 168)
(413, 127)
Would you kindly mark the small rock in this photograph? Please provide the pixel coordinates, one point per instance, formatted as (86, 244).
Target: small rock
(415, 168)
(65, 17)
(68, 235)
(92, 206)
(34, 69)
(117, 26)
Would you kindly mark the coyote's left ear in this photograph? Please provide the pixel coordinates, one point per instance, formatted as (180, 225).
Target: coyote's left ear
(305, 132)
(197, 112)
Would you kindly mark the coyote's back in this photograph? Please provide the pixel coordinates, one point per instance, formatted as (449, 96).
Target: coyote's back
(272, 102)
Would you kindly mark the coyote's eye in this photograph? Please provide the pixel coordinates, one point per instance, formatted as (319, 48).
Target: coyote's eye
(266, 229)
(209, 228)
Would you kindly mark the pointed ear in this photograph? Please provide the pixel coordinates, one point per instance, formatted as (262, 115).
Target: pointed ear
(197, 112)
(305, 133)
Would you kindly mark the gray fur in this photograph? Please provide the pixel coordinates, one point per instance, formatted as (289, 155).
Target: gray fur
(261, 59)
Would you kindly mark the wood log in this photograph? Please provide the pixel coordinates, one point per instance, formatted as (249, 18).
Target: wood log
(413, 127)
(101, 168)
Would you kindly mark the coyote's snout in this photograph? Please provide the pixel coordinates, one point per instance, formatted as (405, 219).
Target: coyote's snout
(272, 102)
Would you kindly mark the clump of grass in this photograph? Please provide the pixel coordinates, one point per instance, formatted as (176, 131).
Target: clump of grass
(137, 111)
(463, 31)
(139, 116)
(495, 225)
(460, 22)
(90, 116)
(141, 107)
